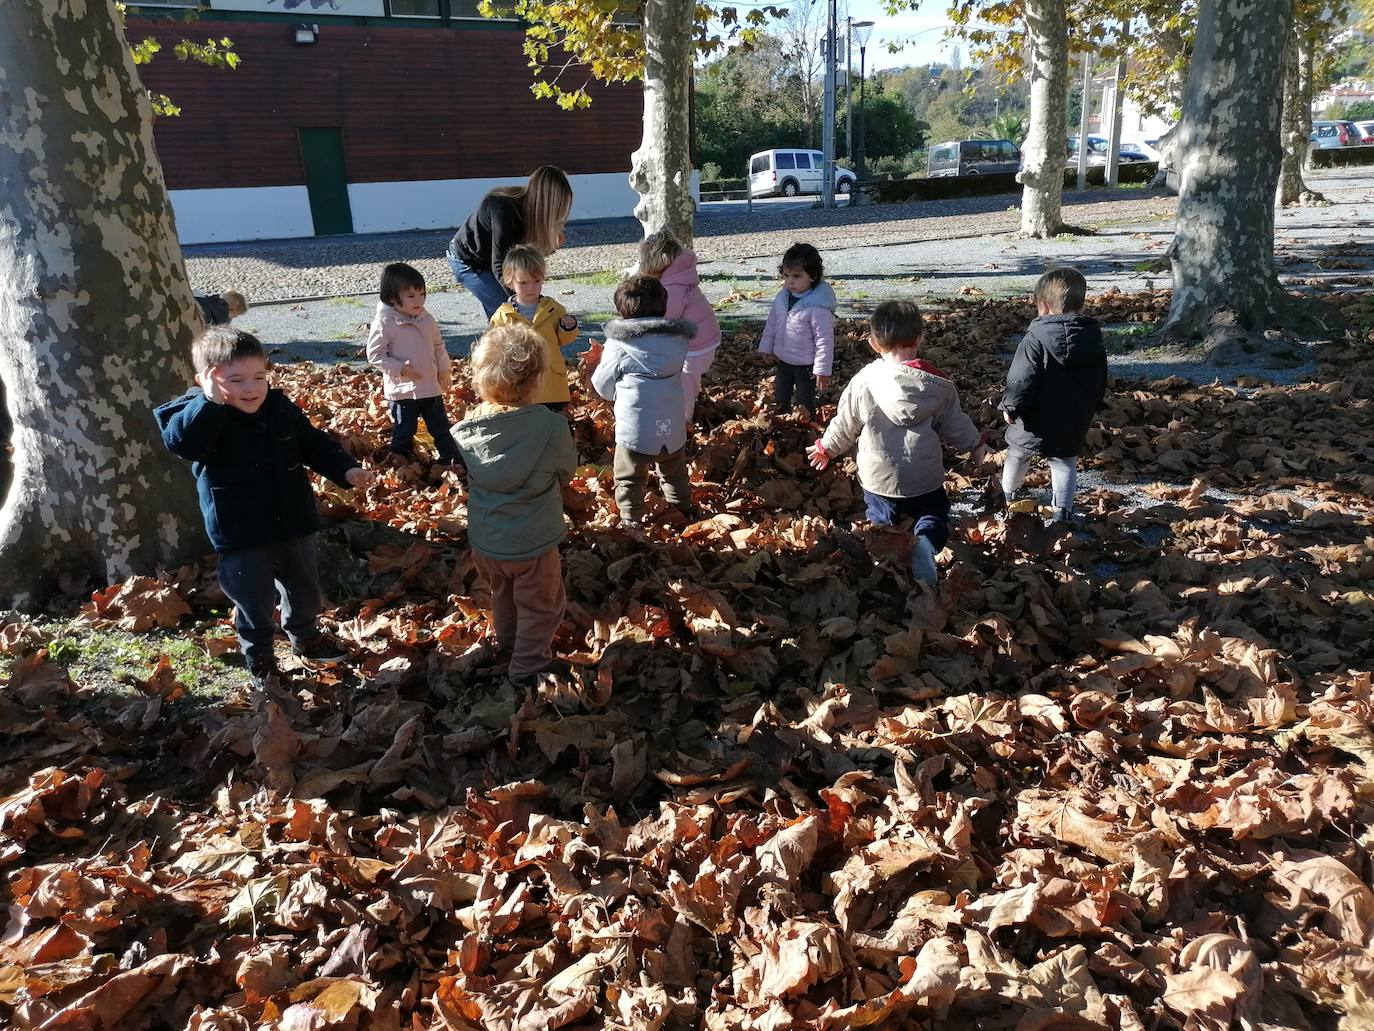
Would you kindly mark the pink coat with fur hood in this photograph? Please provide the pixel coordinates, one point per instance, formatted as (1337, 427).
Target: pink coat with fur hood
(686, 301)
(395, 339)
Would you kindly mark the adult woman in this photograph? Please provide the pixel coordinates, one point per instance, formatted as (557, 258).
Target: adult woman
(533, 214)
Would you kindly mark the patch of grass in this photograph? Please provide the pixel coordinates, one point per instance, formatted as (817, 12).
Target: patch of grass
(603, 277)
(112, 660)
(1126, 339)
(597, 318)
(349, 302)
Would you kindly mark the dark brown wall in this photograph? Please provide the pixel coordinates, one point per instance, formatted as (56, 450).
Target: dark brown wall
(432, 103)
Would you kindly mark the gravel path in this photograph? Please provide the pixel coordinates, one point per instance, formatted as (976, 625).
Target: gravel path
(333, 266)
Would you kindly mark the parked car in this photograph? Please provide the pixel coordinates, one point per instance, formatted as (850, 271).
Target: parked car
(973, 157)
(790, 172)
(1141, 150)
(1333, 135)
(1366, 133)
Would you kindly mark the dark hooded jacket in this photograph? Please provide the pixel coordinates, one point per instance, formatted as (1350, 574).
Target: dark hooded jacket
(1055, 385)
(250, 469)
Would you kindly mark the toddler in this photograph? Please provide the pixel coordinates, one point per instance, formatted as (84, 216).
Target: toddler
(800, 332)
(221, 309)
(899, 410)
(1054, 386)
(406, 345)
(523, 274)
(665, 259)
(640, 370)
(519, 454)
(249, 447)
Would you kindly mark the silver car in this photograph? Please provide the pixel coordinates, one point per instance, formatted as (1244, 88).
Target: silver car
(1333, 135)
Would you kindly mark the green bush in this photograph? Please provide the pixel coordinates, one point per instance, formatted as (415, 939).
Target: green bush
(1344, 156)
(1004, 182)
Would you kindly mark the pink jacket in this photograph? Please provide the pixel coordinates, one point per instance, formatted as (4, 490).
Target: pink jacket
(806, 334)
(396, 339)
(686, 301)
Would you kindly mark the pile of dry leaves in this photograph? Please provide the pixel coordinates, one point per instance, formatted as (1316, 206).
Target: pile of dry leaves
(1117, 779)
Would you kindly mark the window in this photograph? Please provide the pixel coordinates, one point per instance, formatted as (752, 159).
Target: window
(414, 8)
(803, 160)
(945, 153)
(1009, 152)
(786, 160)
(758, 164)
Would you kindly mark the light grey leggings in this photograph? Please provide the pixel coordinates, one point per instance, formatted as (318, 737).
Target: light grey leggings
(1063, 476)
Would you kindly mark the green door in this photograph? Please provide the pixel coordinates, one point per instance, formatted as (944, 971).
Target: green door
(322, 154)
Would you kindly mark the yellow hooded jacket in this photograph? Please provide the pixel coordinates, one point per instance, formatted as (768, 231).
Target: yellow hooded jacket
(553, 388)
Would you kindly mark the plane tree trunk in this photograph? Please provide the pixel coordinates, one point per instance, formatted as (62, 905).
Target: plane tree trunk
(1042, 168)
(661, 169)
(95, 310)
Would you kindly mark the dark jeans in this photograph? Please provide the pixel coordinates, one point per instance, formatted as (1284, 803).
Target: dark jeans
(481, 283)
(252, 579)
(798, 378)
(931, 512)
(405, 420)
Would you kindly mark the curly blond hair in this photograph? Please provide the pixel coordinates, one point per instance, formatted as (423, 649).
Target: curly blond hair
(658, 251)
(522, 258)
(507, 364)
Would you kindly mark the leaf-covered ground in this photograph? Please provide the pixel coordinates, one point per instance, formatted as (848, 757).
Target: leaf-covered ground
(1119, 778)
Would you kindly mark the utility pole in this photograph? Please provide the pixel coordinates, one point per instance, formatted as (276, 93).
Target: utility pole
(849, 88)
(828, 121)
(1083, 122)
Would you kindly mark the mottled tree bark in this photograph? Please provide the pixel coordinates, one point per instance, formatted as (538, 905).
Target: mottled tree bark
(1297, 122)
(1227, 154)
(1042, 155)
(661, 169)
(95, 310)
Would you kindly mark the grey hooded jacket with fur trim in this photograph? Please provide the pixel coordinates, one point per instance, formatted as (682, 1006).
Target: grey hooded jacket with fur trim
(641, 373)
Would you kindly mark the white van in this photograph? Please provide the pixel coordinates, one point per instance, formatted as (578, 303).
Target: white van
(790, 172)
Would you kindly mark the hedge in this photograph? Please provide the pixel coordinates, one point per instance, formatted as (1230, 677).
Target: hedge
(902, 190)
(1344, 156)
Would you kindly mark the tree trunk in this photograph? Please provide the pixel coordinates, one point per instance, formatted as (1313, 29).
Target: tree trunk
(1227, 153)
(1297, 123)
(661, 169)
(1042, 156)
(95, 310)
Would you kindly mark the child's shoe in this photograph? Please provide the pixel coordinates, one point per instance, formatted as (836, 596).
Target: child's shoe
(320, 650)
(262, 674)
(923, 561)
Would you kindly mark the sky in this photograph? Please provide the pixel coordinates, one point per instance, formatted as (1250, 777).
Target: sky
(921, 29)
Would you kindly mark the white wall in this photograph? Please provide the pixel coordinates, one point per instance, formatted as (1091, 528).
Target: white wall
(275, 212)
(259, 213)
(439, 203)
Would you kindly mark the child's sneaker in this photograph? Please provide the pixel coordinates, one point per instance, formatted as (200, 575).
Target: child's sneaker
(262, 674)
(320, 650)
(923, 561)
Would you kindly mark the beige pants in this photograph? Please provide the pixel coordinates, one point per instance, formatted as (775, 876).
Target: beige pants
(632, 478)
(527, 604)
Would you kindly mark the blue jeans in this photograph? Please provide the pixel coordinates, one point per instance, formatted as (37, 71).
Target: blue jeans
(794, 377)
(481, 283)
(930, 510)
(405, 420)
(252, 579)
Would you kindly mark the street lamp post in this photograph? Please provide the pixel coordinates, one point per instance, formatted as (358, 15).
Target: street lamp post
(864, 29)
(849, 89)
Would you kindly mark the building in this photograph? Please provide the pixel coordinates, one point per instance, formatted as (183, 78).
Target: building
(366, 116)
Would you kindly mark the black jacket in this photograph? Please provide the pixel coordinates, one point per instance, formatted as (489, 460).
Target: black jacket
(1055, 384)
(214, 308)
(250, 469)
(495, 227)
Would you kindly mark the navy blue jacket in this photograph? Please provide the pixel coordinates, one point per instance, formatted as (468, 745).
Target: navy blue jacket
(250, 469)
(214, 309)
(1055, 384)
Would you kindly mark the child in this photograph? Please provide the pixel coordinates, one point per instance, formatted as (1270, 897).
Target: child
(519, 454)
(523, 274)
(665, 259)
(899, 409)
(800, 332)
(221, 309)
(1056, 382)
(249, 446)
(406, 345)
(640, 370)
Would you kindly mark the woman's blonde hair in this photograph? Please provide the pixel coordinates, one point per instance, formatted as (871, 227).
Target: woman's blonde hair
(545, 201)
(507, 364)
(521, 258)
(657, 252)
